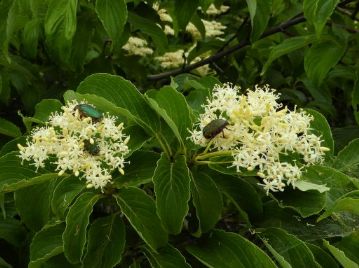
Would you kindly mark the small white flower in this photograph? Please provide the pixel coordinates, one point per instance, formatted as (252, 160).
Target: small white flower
(87, 148)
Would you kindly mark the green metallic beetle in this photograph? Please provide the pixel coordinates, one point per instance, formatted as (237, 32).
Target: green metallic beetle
(214, 128)
(91, 148)
(87, 110)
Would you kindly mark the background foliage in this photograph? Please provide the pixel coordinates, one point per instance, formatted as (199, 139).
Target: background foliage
(165, 212)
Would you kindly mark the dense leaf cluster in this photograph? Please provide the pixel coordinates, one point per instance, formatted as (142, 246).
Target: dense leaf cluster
(170, 210)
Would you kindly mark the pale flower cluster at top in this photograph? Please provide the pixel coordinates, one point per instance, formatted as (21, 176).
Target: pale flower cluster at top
(260, 132)
(137, 46)
(212, 10)
(75, 143)
(212, 28)
(171, 59)
(176, 59)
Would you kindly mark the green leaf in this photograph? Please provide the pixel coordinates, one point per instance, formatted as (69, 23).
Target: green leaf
(172, 107)
(4, 264)
(241, 193)
(317, 12)
(28, 182)
(167, 257)
(140, 171)
(9, 129)
(322, 257)
(229, 250)
(252, 8)
(65, 193)
(320, 127)
(340, 256)
(207, 200)
(12, 231)
(123, 94)
(15, 19)
(279, 258)
(346, 204)
(287, 46)
(33, 204)
(172, 188)
(113, 15)
(45, 108)
(61, 14)
(337, 182)
(80, 45)
(348, 158)
(183, 11)
(140, 211)
(306, 229)
(305, 203)
(15, 176)
(138, 138)
(294, 251)
(321, 57)
(30, 37)
(59, 261)
(11, 146)
(11, 170)
(5, 7)
(150, 28)
(77, 220)
(45, 244)
(260, 12)
(106, 242)
(60, 27)
(350, 246)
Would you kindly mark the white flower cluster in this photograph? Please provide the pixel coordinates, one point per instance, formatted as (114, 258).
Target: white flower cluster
(176, 59)
(80, 144)
(137, 46)
(260, 134)
(212, 10)
(171, 59)
(213, 29)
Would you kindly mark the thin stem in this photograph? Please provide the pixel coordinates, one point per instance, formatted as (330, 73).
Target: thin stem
(208, 146)
(213, 154)
(211, 162)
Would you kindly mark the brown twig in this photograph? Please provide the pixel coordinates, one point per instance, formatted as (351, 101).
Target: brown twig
(226, 52)
(245, 42)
